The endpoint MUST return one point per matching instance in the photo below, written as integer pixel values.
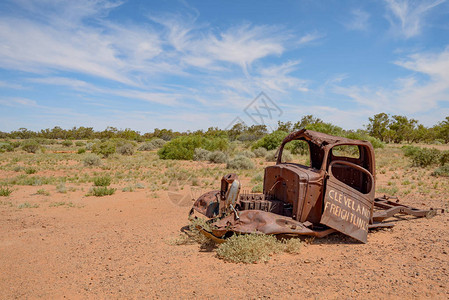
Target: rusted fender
(257, 221)
(207, 204)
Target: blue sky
(189, 65)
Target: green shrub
(30, 146)
(92, 160)
(184, 147)
(271, 141)
(147, 147)
(286, 156)
(104, 148)
(248, 154)
(218, 157)
(260, 152)
(67, 143)
(126, 149)
(409, 150)
(79, 144)
(201, 154)
(102, 181)
(81, 150)
(158, 143)
(426, 157)
(240, 162)
(444, 157)
(30, 170)
(258, 188)
(5, 191)
(441, 171)
(298, 147)
(5, 146)
(365, 137)
(100, 191)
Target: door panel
(346, 209)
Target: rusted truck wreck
(334, 193)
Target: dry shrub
(240, 162)
(218, 157)
(253, 248)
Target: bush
(147, 147)
(425, 157)
(79, 144)
(104, 148)
(201, 154)
(92, 160)
(5, 146)
(258, 188)
(248, 154)
(410, 151)
(102, 181)
(5, 191)
(100, 191)
(441, 171)
(158, 143)
(218, 157)
(444, 158)
(81, 150)
(271, 141)
(184, 147)
(30, 170)
(298, 147)
(67, 143)
(126, 149)
(260, 152)
(286, 156)
(252, 248)
(364, 137)
(30, 146)
(240, 162)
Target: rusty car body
(334, 193)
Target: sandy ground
(116, 247)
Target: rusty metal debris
(334, 193)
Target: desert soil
(117, 247)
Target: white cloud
(411, 95)
(359, 20)
(407, 17)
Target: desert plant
(258, 188)
(442, 171)
(201, 154)
(102, 181)
(30, 146)
(81, 150)
(100, 191)
(158, 143)
(5, 191)
(79, 144)
(260, 152)
(30, 170)
(444, 157)
(252, 248)
(92, 160)
(286, 156)
(147, 147)
(240, 162)
(126, 149)
(43, 192)
(248, 154)
(183, 147)
(104, 148)
(271, 141)
(425, 157)
(5, 146)
(218, 157)
(67, 143)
